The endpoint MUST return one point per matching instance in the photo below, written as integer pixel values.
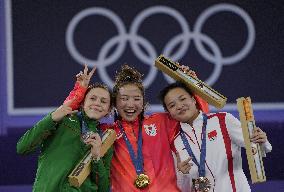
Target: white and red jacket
(224, 140)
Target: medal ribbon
(136, 160)
(201, 166)
(84, 127)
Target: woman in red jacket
(142, 158)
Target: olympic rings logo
(184, 38)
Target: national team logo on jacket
(119, 135)
(151, 129)
(212, 135)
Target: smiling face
(129, 102)
(181, 105)
(97, 103)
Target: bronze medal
(202, 184)
(142, 181)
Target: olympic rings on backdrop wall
(184, 39)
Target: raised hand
(183, 166)
(96, 142)
(62, 111)
(258, 136)
(186, 70)
(84, 78)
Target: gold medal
(202, 184)
(142, 181)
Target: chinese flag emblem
(212, 135)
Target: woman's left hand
(258, 136)
(96, 142)
(187, 70)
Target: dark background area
(43, 69)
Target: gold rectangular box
(83, 168)
(197, 86)
(253, 150)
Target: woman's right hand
(183, 166)
(62, 111)
(96, 142)
(84, 78)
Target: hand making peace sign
(84, 78)
(184, 166)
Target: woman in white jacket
(207, 145)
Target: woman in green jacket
(59, 137)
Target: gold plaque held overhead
(196, 86)
(83, 168)
(253, 150)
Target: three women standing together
(142, 153)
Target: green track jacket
(61, 149)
